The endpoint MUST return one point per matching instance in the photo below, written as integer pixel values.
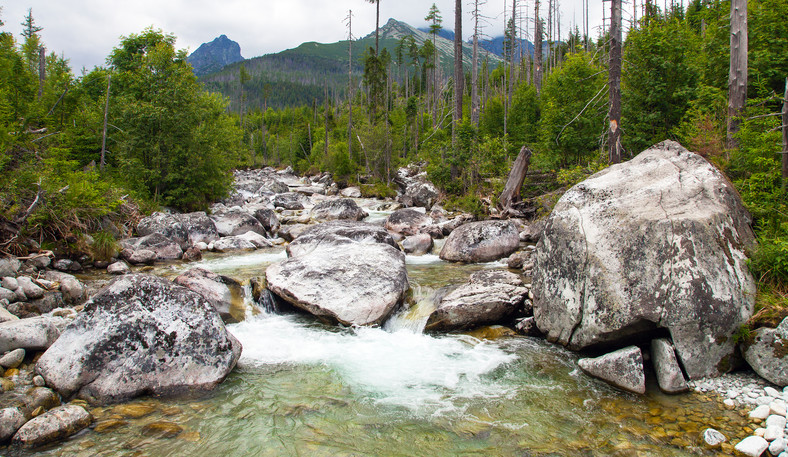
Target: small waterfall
(414, 318)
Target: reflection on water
(303, 388)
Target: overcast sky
(85, 31)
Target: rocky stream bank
(643, 262)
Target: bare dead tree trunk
(42, 70)
(537, 50)
(475, 68)
(459, 75)
(104, 134)
(785, 136)
(325, 118)
(614, 135)
(511, 191)
(350, 85)
(512, 54)
(737, 76)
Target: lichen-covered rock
(140, 335)
(482, 241)
(768, 353)
(407, 221)
(622, 368)
(656, 242)
(342, 280)
(350, 192)
(225, 293)
(11, 419)
(669, 376)
(339, 233)
(54, 425)
(168, 225)
(9, 266)
(290, 200)
(119, 268)
(340, 209)
(199, 228)
(232, 243)
(268, 219)
(164, 248)
(489, 297)
(138, 256)
(233, 222)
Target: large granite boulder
(767, 354)
(340, 279)
(140, 335)
(164, 248)
(235, 221)
(165, 224)
(483, 241)
(290, 200)
(268, 219)
(199, 227)
(339, 233)
(407, 221)
(488, 298)
(656, 242)
(338, 209)
(225, 293)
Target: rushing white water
(423, 373)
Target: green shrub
(104, 246)
(378, 190)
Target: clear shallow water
(305, 389)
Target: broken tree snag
(785, 137)
(737, 75)
(614, 134)
(511, 192)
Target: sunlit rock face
(656, 242)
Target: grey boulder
(11, 419)
(482, 241)
(622, 368)
(407, 221)
(164, 247)
(140, 335)
(488, 298)
(165, 224)
(339, 209)
(290, 200)
(656, 242)
(669, 376)
(9, 266)
(33, 333)
(342, 280)
(339, 233)
(233, 222)
(54, 425)
(417, 244)
(74, 292)
(767, 354)
(225, 294)
(199, 228)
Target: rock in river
(53, 425)
(337, 278)
(140, 335)
(768, 353)
(656, 242)
(225, 293)
(483, 241)
(341, 209)
(489, 297)
(622, 368)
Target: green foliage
(658, 82)
(572, 116)
(378, 190)
(177, 142)
(104, 246)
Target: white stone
(772, 433)
(777, 407)
(776, 421)
(729, 403)
(752, 446)
(777, 446)
(713, 438)
(760, 431)
(761, 412)
(771, 391)
(764, 400)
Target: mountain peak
(213, 56)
